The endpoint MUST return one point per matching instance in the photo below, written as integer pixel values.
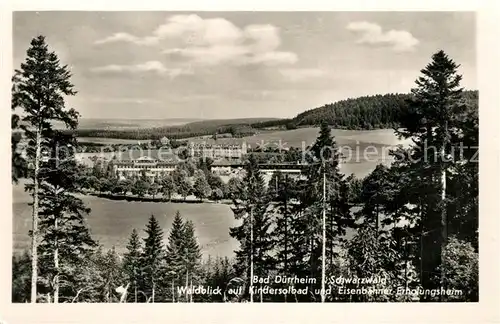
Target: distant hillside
(363, 113)
(368, 112)
(236, 127)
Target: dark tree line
(172, 132)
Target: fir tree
(39, 87)
(254, 255)
(132, 262)
(283, 194)
(191, 255)
(64, 235)
(434, 120)
(374, 194)
(153, 257)
(324, 192)
(174, 255)
(109, 274)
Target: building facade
(218, 151)
(151, 168)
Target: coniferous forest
(406, 232)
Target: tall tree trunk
(56, 265)
(330, 219)
(444, 223)
(420, 207)
(285, 268)
(187, 283)
(173, 291)
(323, 245)
(191, 293)
(251, 254)
(135, 291)
(34, 238)
(153, 292)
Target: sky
(215, 65)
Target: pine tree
(254, 256)
(153, 256)
(374, 194)
(433, 120)
(324, 209)
(282, 192)
(64, 235)
(174, 255)
(109, 275)
(218, 272)
(132, 262)
(191, 255)
(39, 87)
(369, 256)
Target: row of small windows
(145, 167)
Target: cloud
(125, 37)
(214, 31)
(214, 41)
(372, 34)
(293, 74)
(150, 66)
(266, 37)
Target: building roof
(163, 155)
(215, 146)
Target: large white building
(152, 168)
(153, 163)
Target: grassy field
(111, 222)
(307, 135)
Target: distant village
(226, 160)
